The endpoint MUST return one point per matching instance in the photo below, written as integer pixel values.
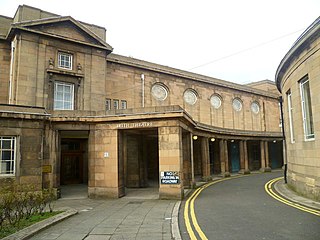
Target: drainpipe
(192, 161)
(13, 46)
(284, 140)
(142, 88)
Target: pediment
(66, 28)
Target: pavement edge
(175, 222)
(37, 227)
(282, 189)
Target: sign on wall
(134, 125)
(169, 178)
(47, 169)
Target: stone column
(266, 147)
(241, 147)
(244, 158)
(205, 158)
(262, 156)
(103, 163)
(246, 161)
(170, 160)
(226, 158)
(222, 161)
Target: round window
(255, 107)
(190, 97)
(215, 101)
(237, 104)
(159, 92)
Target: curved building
(71, 111)
(298, 79)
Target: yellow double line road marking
(269, 190)
(190, 204)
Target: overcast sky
(238, 41)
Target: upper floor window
(7, 155)
(123, 104)
(290, 113)
(115, 104)
(63, 96)
(255, 108)
(306, 109)
(65, 60)
(190, 96)
(237, 104)
(215, 101)
(108, 104)
(159, 92)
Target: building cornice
(302, 43)
(63, 38)
(115, 58)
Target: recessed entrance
(275, 154)
(140, 157)
(74, 163)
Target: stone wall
(303, 155)
(124, 82)
(29, 149)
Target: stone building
(73, 112)
(298, 80)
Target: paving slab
(113, 219)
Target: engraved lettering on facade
(134, 125)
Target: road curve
(240, 208)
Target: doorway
(235, 156)
(276, 154)
(73, 164)
(140, 158)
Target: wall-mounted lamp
(195, 137)
(212, 139)
(232, 140)
(274, 141)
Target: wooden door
(71, 162)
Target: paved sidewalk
(286, 192)
(113, 219)
(127, 218)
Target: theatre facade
(73, 112)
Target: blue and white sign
(169, 178)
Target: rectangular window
(290, 113)
(123, 104)
(65, 60)
(306, 109)
(7, 155)
(115, 104)
(108, 104)
(63, 96)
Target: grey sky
(238, 41)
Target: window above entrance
(159, 92)
(65, 60)
(63, 96)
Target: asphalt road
(240, 209)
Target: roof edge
(297, 48)
(185, 74)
